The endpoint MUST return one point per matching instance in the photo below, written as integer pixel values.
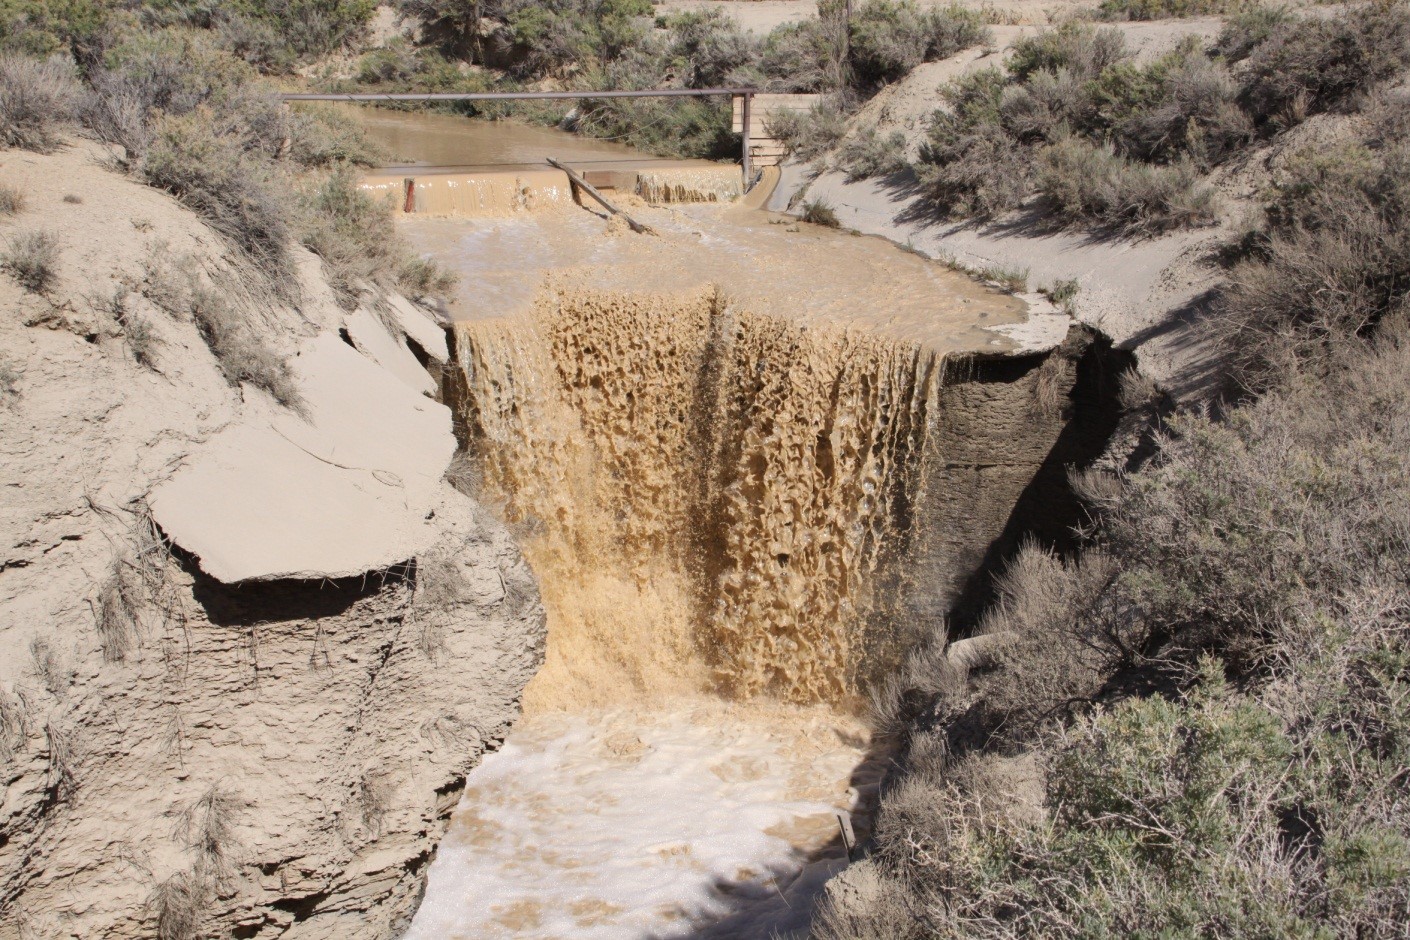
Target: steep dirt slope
(274, 757)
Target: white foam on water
(638, 823)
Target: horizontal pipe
(518, 95)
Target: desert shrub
(820, 212)
(1048, 104)
(969, 165)
(231, 191)
(171, 73)
(1182, 103)
(976, 171)
(1332, 268)
(1165, 9)
(871, 153)
(1249, 28)
(32, 258)
(37, 99)
(273, 35)
(889, 38)
(1092, 183)
(11, 200)
(423, 277)
(805, 56)
(242, 353)
(708, 49)
(1079, 47)
(43, 28)
(808, 134)
(350, 231)
(1311, 64)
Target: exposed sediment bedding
(330, 721)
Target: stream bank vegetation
(1198, 723)
(503, 45)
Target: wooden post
(591, 190)
(748, 97)
(408, 203)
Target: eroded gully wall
(716, 499)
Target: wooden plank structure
(765, 150)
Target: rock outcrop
(249, 652)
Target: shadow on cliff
(1048, 510)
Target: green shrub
(37, 99)
(870, 153)
(1092, 183)
(1079, 47)
(43, 28)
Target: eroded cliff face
(275, 757)
(718, 498)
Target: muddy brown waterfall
(723, 499)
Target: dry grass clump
(37, 100)
(53, 669)
(11, 200)
(207, 828)
(820, 212)
(32, 258)
(1012, 279)
(14, 725)
(242, 354)
(118, 611)
(9, 381)
(180, 906)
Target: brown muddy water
(715, 443)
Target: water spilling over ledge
(747, 463)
